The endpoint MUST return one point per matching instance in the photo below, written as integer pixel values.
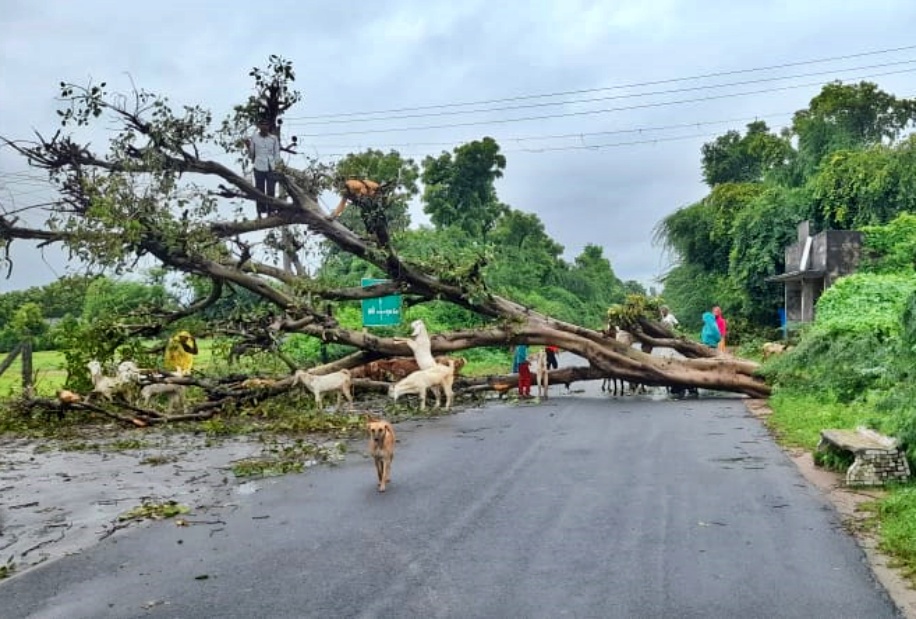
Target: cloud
(623, 165)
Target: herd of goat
(407, 376)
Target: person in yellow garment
(179, 353)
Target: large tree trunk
(299, 301)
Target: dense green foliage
(733, 158)
(64, 297)
(846, 162)
(458, 188)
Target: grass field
(49, 367)
(50, 370)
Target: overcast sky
(646, 83)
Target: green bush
(865, 304)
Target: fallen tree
(153, 194)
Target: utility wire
(580, 147)
(586, 112)
(581, 135)
(350, 121)
(606, 88)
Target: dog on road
(381, 447)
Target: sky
(601, 108)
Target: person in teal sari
(710, 334)
(521, 354)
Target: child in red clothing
(524, 379)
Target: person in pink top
(723, 327)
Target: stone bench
(878, 459)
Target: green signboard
(382, 311)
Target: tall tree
(760, 234)
(108, 215)
(733, 158)
(459, 190)
(523, 252)
(856, 188)
(848, 116)
(107, 297)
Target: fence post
(10, 358)
(27, 367)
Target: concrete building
(813, 264)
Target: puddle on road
(55, 503)
(745, 462)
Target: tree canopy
(459, 187)
(155, 192)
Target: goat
(105, 386)
(322, 383)
(128, 372)
(541, 375)
(628, 339)
(610, 384)
(258, 383)
(429, 378)
(773, 348)
(68, 397)
(173, 391)
(420, 345)
(370, 371)
(354, 188)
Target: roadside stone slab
(878, 460)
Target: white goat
(540, 373)
(339, 381)
(420, 345)
(173, 391)
(626, 338)
(128, 372)
(418, 382)
(102, 385)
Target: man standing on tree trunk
(264, 150)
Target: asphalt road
(585, 506)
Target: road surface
(583, 506)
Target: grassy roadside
(797, 420)
(50, 367)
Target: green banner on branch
(382, 311)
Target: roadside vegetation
(856, 366)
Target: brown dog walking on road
(381, 447)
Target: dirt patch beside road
(847, 501)
(60, 498)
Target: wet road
(583, 506)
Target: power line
(606, 98)
(606, 88)
(562, 136)
(585, 147)
(586, 112)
